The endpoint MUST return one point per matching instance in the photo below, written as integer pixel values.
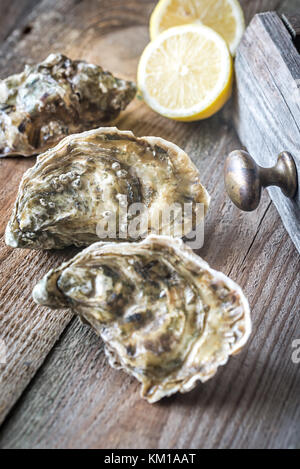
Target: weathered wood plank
(28, 332)
(53, 412)
(20, 270)
(288, 7)
(12, 15)
(67, 26)
(76, 399)
(257, 6)
(267, 113)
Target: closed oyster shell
(68, 193)
(55, 98)
(165, 316)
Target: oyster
(165, 316)
(55, 98)
(84, 182)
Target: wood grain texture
(76, 400)
(30, 332)
(289, 7)
(267, 112)
(12, 14)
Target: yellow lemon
(186, 73)
(224, 16)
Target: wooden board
(75, 399)
(12, 16)
(267, 111)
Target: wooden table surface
(57, 390)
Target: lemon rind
(236, 10)
(214, 100)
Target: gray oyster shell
(64, 198)
(165, 316)
(55, 98)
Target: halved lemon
(186, 74)
(224, 16)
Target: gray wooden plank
(267, 113)
(13, 13)
(235, 409)
(289, 7)
(30, 332)
(76, 400)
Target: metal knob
(244, 178)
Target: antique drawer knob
(244, 178)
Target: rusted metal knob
(244, 178)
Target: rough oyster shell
(165, 316)
(55, 98)
(68, 193)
